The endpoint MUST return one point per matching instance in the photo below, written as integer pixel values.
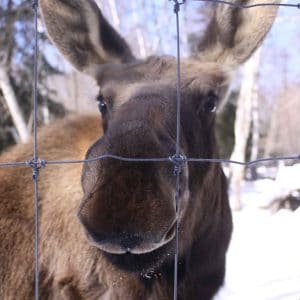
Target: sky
(282, 48)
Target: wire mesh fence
(177, 160)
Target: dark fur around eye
(101, 104)
(210, 102)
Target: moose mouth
(143, 258)
(145, 262)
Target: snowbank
(263, 261)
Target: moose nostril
(126, 241)
(130, 241)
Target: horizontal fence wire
(13, 164)
(260, 161)
(177, 159)
(245, 6)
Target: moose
(107, 227)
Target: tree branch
(14, 109)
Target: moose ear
(235, 33)
(79, 30)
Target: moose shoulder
(121, 244)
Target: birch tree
(14, 109)
(248, 97)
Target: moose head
(128, 210)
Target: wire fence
(178, 160)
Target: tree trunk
(14, 109)
(242, 126)
(255, 119)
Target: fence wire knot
(177, 5)
(178, 161)
(34, 4)
(36, 165)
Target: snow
(263, 260)
(262, 193)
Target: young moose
(121, 246)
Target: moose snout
(129, 242)
(126, 209)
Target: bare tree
(12, 103)
(284, 130)
(255, 130)
(16, 73)
(9, 15)
(242, 127)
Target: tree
(284, 130)
(16, 73)
(9, 15)
(244, 117)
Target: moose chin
(121, 244)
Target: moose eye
(210, 103)
(101, 104)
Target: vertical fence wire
(177, 172)
(178, 96)
(178, 160)
(35, 161)
(176, 254)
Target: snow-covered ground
(263, 261)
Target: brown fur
(122, 245)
